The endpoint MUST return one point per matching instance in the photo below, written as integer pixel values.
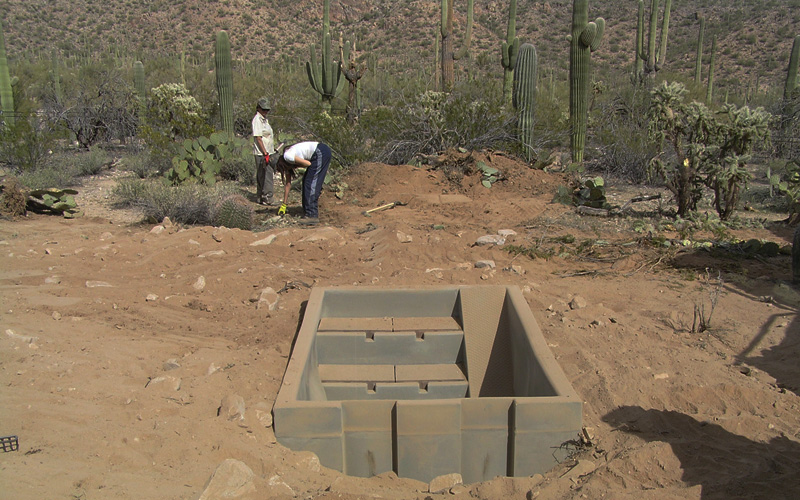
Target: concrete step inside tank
(425, 382)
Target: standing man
(264, 152)
(316, 157)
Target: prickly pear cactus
(584, 39)
(54, 201)
(234, 212)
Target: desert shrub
(12, 198)
(189, 203)
(50, 176)
(172, 115)
(140, 164)
(706, 149)
(25, 147)
(436, 121)
(239, 168)
(91, 162)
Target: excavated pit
(426, 382)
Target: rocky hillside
(754, 36)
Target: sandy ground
(124, 347)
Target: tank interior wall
(388, 303)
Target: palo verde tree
(706, 150)
(449, 55)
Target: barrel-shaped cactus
(222, 65)
(510, 48)
(6, 92)
(791, 75)
(584, 39)
(524, 95)
(234, 212)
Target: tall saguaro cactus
(510, 49)
(638, 64)
(584, 39)
(6, 92)
(353, 72)
(791, 75)
(222, 65)
(710, 88)
(325, 77)
(654, 60)
(698, 66)
(526, 75)
(448, 53)
(141, 88)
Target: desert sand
(138, 359)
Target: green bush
(172, 115)
(140, 164)
(87, 163)
(51, 176)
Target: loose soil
(125, 346)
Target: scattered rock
(268, 299)
(151, 297)
(232, 479)
(660, 376)
(269, 239)
(219, 233)
(200, 283)
(485, 264)
(490, 239)
(56, 315)
(212, 253)
(506, 232)
(157, 229)
(577, 302)
(582, 468)
(263, 413)
(171, 364)
(516, 269)
(232, 407)
(278, 488)
(96, 284)
(106, 236)
(167, 222)
(25, 338)
(444, 483)
(212, 368)
(52, 280)
(168, 380)
(403, 237)
(194, 242)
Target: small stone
(56, 315)
(577, 302)
(490, 239)
(213, 253)
(506, 232)
(157, 229)
(745, 370)
(200, 283)
(24, 338)
(485, 264)
(170, 381)
(232, 407)
(194, 242)
(96, 284)
(212, 368)
(515, 269)
(52, 280)
(232, 479)
(151, 297)
(403, 237)
(444, 483)
(268, 299)
(106, 236)
(166, 222)
(661, 376)
(171, 364)
(263, 413)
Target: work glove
(282, 210)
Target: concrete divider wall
(411, 413)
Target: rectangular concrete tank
(425, 382)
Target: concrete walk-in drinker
(425, 382)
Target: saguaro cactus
(791, 75)
(655, 60)
(584, 39)
(353, 72)
(526, 76)
(638, 64)
(141, 88)
(710, 88)
(55, 75)
(698, 66)
(325, 77)
(510, 49)
(6, 92)
(448, 53)
(222, 65)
